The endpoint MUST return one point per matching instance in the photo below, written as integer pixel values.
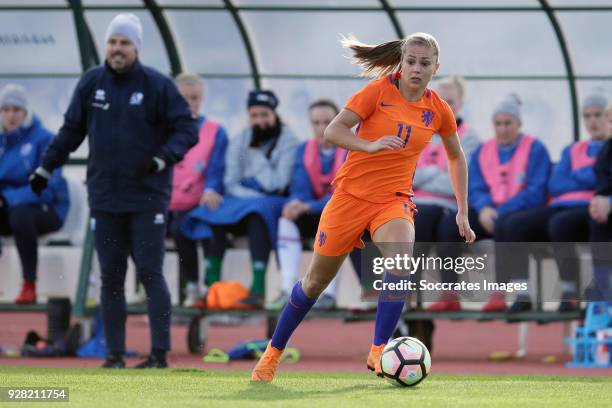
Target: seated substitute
(197, 180)
(257, 175)
(24, 214)
(507, 174)
(600, 226)
(566, 217)
(316, 165)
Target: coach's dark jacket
(128, 117)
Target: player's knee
(313, 285)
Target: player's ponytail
(379, 60)
(375, 60)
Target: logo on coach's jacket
(136, 98)
(103, 106)
(159, 219)
(100, 95)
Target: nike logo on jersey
(384, 105)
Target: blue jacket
(564, 180)
(215, 169)
(20, 154)
(197, 224)
(300, 187)
(534, 194)
(129, 118)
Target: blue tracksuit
(128, 118)
(300, 187)
(564, 180)
(215, 169)
(534, 193)
(20, 154)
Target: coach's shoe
(267, 364)
(496, 303)
(27, 296)
(447, 302)
(114, 361)
(153, 362)
(374, 359)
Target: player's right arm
(340, 134)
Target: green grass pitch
(200, 388)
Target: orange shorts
(346, 217)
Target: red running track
(330, 345)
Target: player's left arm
(457, 167)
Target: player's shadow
(261, 391)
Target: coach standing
(138, 126)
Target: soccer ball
(405, 361)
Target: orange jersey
(384, 111)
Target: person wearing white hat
(138, 126)
(565, 218)
(507, 175)
(23, 214)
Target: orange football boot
(374, 359)
(267, 364)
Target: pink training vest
(321, 183)
(435, 155)
(188, 178)
(579, 158)
(504, 180)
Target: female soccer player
(397, 116)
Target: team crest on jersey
(427, 117)
(322, 238)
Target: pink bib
(435, 155)
(188, 178)
(321, 183)
(505, 180)
(579, 158)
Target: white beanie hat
(596, 100)
(126, 24)
(510, 105)
(15, 95)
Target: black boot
(114, 361)
(155, 360)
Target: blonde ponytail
(375, 60)
(379, 60)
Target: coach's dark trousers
(140, 235)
